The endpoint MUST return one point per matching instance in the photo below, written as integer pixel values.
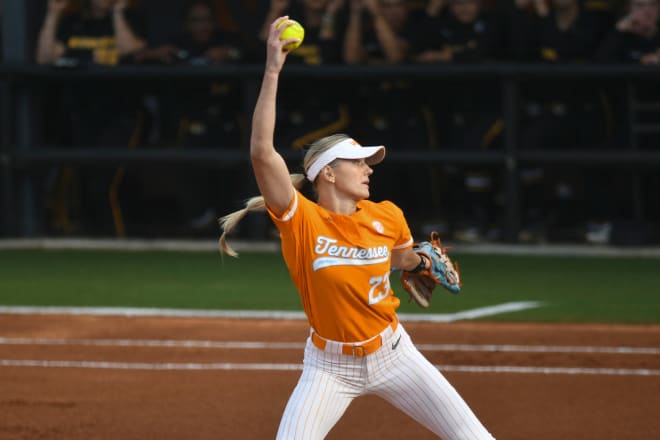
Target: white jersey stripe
(294, 207)
(323, 262)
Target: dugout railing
(22, 153)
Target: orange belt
(357, 349)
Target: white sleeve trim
(404, 245)
(294, 206)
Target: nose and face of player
(350, 177)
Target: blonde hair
(257, 203)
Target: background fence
(26, 89)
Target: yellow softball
(294, 31)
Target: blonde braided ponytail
(254, 204)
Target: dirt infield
(81, 377)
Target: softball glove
(419, 285)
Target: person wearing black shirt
(558, 114)
(199, 42)
(636, 36)
(379, 31)
(198, 114)
(565, 32)
(466, 113)
(91, 114)
(465, 33)
(103, 32)
(635, 40)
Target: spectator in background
(436, 8)
(97, 33)
(557, 114)
(200, 41)
(467, 114)
(199, 113)
(561, 31)
(463, 32)
(102, 32)
(196, 114)
(635, 38)
(378, 32)
(246, 17)
(91, 114)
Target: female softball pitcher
(339, 251)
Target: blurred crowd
(464, 202)
(111, 32)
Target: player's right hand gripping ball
(294, 31)
(443, 271)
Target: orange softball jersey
(340, 265)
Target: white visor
(346, 149)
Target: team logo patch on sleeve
(378, 226)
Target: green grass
(145, 279)
(573, 289)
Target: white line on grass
(549, 370)
(539, 349)
(261, 345)
(257, 314)
(136, 244)
(297, 367)
(149, 312)
(473, 313)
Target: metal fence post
(17, 47)
(7, 216)
(512, 191)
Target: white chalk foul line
(549, 370)
(256, 314)
(298, 367)
(148, 366)
(261, 345)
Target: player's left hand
(419, 287)
(442, 271)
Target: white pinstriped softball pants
(402, 376)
